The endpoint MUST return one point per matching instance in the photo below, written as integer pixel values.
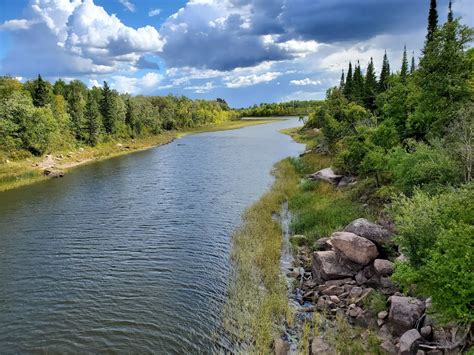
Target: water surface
(131, 254)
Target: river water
(131, 254)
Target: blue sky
(246, 51)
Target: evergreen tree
(432, 22)
(41, 95)
(384, 74)
(404, 70)
(370, 86)
(60, 88)
(92, 119)
(450, 12)
(358, 85)
(76, 99)
(130, 115)
(348, 86)
(413, 65)
(106, 108)
(342, 81)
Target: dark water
(131, 255)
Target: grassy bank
(26, 171)
(258, 303)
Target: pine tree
(92, 120)
(348, 87)
(370, 86)
(413, 65)
(404, 70)
(358, 85)
(432, 22)
(106, 108)
(342, 81)
(130, 115)
(384, 74)
(41, 95)
(450, 12)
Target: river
(131, 254)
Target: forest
(408, 136)
(291, 108)
(37, 117)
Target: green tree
(348, 86)
(41, 94)
(413, 65)
(60, 88)
(130, 116)
(384, 74)
(404, 70)
(93, 119)
(76, 98)
(432, 22)
(358, 86)
(370, 86)
(342, 81)
(106, 107)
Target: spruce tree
(370, 86)
(92, 120)
(413, 65)
(348, 86)
(358, 85)
(432, 22)
(40, 95)
(342, 81)
(130, 115)
(404, 70)
(106, 108)
(384, 74)
(450, 12)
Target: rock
(388, 348)
(428, 302)
(281, 347)
(326, 267)
(333, 290)
(420, 352)
(322, 244)
(402, 258)
(408, 342)
(354, 311)
(360, 301)
(434, 352)
(382, 315)
(346, 181)
(120, 145)
(320, 347)
(366, 229)
(326, 174)
(380, 322)
(339, 282)
(426, 331)
(54, 174)
(355, 248)
(404, 312)
(387, 287)
(383, 267)
(356, 292)
(335, 299)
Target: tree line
(290, 108)
(408, 136)
(38, 117)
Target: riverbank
(14, 174)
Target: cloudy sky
(246, 51)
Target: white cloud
(20, 24)
(201, 89)
(305, 82)
(303, 95)
(249, 80)
(128, 5)
(154, 12)
(131, 85)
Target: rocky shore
(347, 276)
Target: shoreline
(15, 174)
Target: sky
(245, 51)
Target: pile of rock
(345, 270)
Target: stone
(346, 181)
(335, 299)
(333, 290)
(420, 352)
(320, 347)
(53, 174)
(355, 248)
(383, 267)
(360, 301)
(404, 312)
(322, 244)
(402, 258)
(339, 282)
(373, 232)
(327, 175)
(426, 331)
(356, 292)
(388, 348)
(354, 311)
(434, 352)
(280, 346)
(382, 315)
(387, 287)
(380, 322)
(326, 267)
(408, 342)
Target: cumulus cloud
(201, 89)
(132, 85)
(243, 81)
(20, 24)
(154, 12)
(128, 5)
(77, 37)
(305, 82)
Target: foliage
(291, 108)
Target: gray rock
(356, 292)
(280, 346)
(388, 348)
(326, 267)
(374, 232)
(408, 342)
(327, 175)
(426, 331)
(382, 315)
(383, 267)
(320, 347)
(54, 174)
(333, 291)
(339, 282)
(322, 244)
(355, 248)
(404, 312)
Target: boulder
(404, 312)
(388, 348)
(366, 229)
(322, 244)
(383, 267)
(53, 174)
(346, 181)
(280, 346)
(326, 267)
(409, 341)
(320, 347)
(326, 174)
(355, 248)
